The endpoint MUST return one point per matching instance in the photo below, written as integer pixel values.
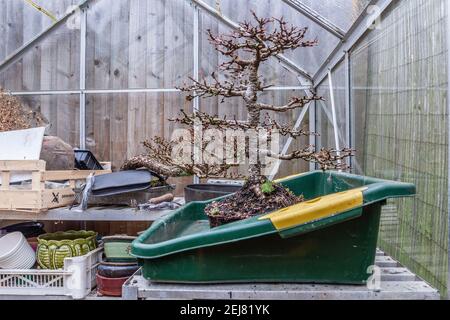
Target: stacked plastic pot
(118, 266)
(16, 252)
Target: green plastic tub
(331, 238)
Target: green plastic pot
(330, 238)
(117, 248)
(54, 247)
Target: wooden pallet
(37, 197)
(397, 283)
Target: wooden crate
(38, 197)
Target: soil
(249, 202)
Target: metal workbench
(106, 213)
(397, 282)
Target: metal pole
(448, 143)
(44, 93)
(140, 90)
(289, 141)
(312, 128)
(348, 110)
(333, 112)
(196, 76)
(83, 31)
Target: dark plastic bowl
(117, 270)
(202, 192)
(29, 229)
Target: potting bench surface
(107, 213)
(396, 282)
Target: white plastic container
(16, 252)
(76, 279)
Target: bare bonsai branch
(294, 103)
(269, 124)
(327, 159)
(160, 158)
(203, 89)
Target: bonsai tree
(245, 50)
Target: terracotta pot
(110, 286)
(33, 243)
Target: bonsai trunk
(254, 117)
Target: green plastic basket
(331, 238)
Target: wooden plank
(13, 39)
(119, 74)
(3, 26)
(6, 175)
(55, 198)
(48, 81)
(67, 77)
(59, 175)
(31, 72)
(137, 77)
(155, 69)
(18, 199)
(99, 29)
(36, 181)
(22, 165)
(171, 63)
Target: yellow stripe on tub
(316, 209)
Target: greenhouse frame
(107, 77)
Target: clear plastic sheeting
(139, 44)
(20, 21)
(340, 12)
(399, 98)
(324, 115)
(51, 64)
(117, 124)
